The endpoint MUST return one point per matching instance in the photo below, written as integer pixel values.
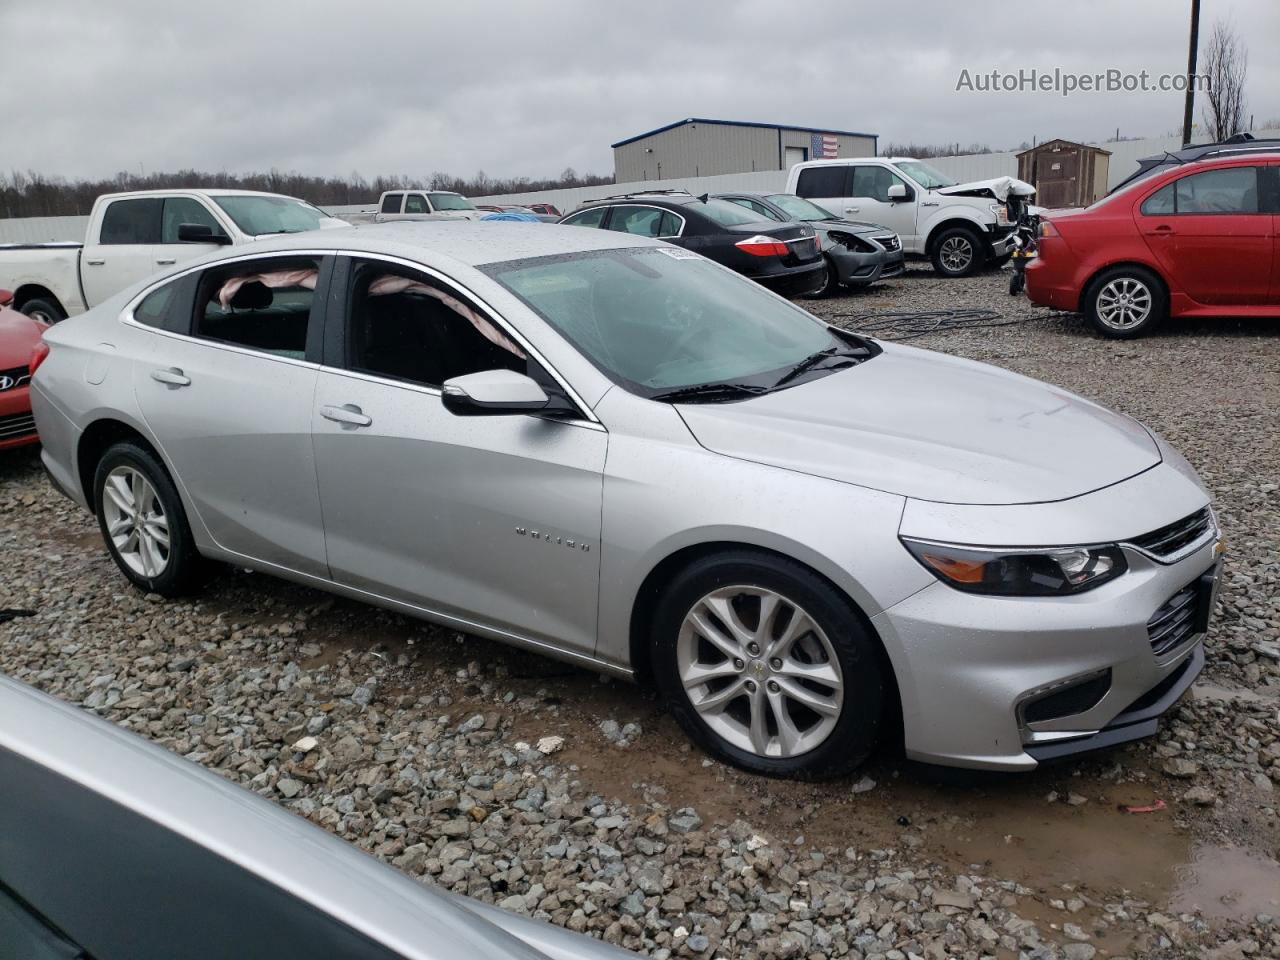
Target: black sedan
(785, 257)
(857, 253)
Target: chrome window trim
(648, 206)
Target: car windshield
(727, 213)
(450, 201)
(925, 175)
(261, 215)
(798, 208)
(657, 320)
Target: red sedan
(1197, 240)
(19, 337)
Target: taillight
(38, 354)
(762, 246)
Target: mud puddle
(1228, 883)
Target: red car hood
(18, 335)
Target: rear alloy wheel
(767, 667)
(1125, 303)
(46, 311)
(142, 521)
(958, 252)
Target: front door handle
(852, 209)
(348, 413)
(167, 261)
(171, 376)
(94, 263)
(1163, 229)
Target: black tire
(830, 283)
(1098, 302)
(184, 565)
(1017, 280)
(965, 238)
(45, 310)
(858, 723)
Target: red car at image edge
(1197, 240)
(21, 347)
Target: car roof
(470, 242)
(215, 192)
(184, 799)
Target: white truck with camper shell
(961, 227)
(425, 205)
(134, 235)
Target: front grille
(1175, 621)
(16, 425)
(1168, 540)
(890, 242)
(13, 378)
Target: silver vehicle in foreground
(112, 848)
(617, 452)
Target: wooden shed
(1065, 174)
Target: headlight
(1014, 572)
(1001, 213)
(856, 244)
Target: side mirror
(897, 192)
(6, 297)
(200, 233)
(492, 393)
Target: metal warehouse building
(698, 147)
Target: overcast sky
(534, 86)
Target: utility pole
(1189, 110)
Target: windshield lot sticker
(677, 254)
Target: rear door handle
(852, 209)
(167, 261)
(348, 413)
(1164, 228)
(94, 263)
(171, 376)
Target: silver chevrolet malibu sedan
(617, 452)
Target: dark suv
(785, 257)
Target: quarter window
(263, 305)
(416, 203)
(391, 203)
(132, 221)
(587, 218)
(180, 210)
(405, 325)
(825, 181)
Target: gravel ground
(566, 796)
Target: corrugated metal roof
(736, 123)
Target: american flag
(824, 145)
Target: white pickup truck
(133, 235)
(425, 205)
(961, 227)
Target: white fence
(978, 166)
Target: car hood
(18, 336)
(932, 427)
(998, 188)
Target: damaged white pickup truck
(134, 235)
(961, 227)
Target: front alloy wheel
(759, 671)
(767, 666)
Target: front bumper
(854, 269)
(1001, 240)
(17, 425)
(967, 665)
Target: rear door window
(132, 221)
(168, 307)
(391, 203)
(640, 221)
(1161, 203)
(264, 305)
(1233, 190)
(824, 181)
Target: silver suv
(617, 452)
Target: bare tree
(1226, 65)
